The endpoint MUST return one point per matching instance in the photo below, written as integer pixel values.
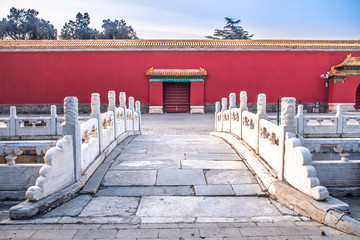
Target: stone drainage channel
(175, 172)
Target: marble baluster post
(243, 107)
(224, 106)
(131, 107)
(72, 127)
(288, 125)
(12, 124)
(340, 118)
(122, 98)
(112, 107)
(260, 114)
(300, 119)
(217, 110)
(96, 113)
(53, 118)
(138, 110)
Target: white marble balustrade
(79, 152)
(276, 145)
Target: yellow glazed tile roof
(180, 44)
(349, 62)
(176, 72)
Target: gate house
(176, 90)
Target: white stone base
(156, 109)
(197, 109)
(347, 107)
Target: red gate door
(176, 97)
(357, 104)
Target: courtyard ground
(174, 181)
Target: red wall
(344, 92)
(47, 77)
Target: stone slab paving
(173, 182)
(147, 191)
(213, 156)
(180, 177)
(130, 178)
(234, 207)
(111, 206)
(211, 164)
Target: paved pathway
(173, 182)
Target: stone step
(244, 190)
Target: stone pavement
(173, 182)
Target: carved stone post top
(232, 100)
(261, 105)
(300, 109)
(339, 109)
(122, 97)
(53, 110)
(217, 107)
(224, 104)
(131, 103)
(12, 111)
(243, 101)
(137, 106)
(288, 111)
(95, 104)
(111, 98)
(71, 110)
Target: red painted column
(197, 97)
(156, 97)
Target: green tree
(79, 29)
(232, 30)
(117, 30)
(2, 29)
(25, 25)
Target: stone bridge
(177, 181)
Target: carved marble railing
(271, 144)
(90, 139)
(15, 126)
(11, 149)
(15, 177)
(83, 146)
(328, 126)
(276, 145)
(336, 160)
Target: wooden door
(357, 104)
(176, 96)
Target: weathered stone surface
(153, 220)
(134, 151)
(111, 206)
(229, 177)
(130, 178)
(210, 164)
(98, 233)
(150, 156)
(180, 177)
(71, 208)
(212, 156)
(146, 191)
(205, 207)
(215, 150)
(100, 220)
(284, 210)
(248, 190)
(213, 190)
(148, 164)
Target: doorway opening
(176, 97)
